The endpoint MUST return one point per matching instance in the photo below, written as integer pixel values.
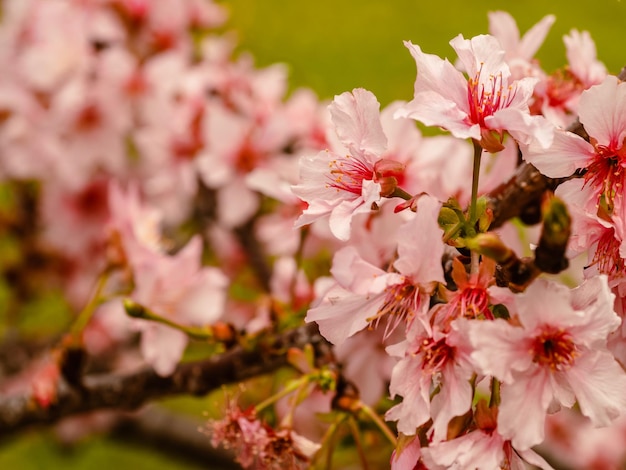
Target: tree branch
(164, 431)
(124, 392)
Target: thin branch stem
(85, 315)
(129, 391)
(371, 414)
(478, 151)
(354, 429)
(289, 389)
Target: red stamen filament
(606, 170)
(474, 303)
(348, 174)
(607, 257)
(484, 100)
(435, 354)
(400, 304)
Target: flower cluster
(210, 207)
(473, 345)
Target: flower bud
(387, 173)
(133, 309)
(489, 244)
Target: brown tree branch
(172, 433)
(129, 391)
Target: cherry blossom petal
(546, 302)
(499, 347)
(355, 274)
(582, 57)
(162, 347)
(594, 296)
(340, 220)
(600, 386)
(603, 111)
(204, 302)
(408, 456)
(533, 458)
(357, 122)
(522, 126)
(475, 450)
(438, 75)
(482, 54)
(454, 399)
(344, 314)
(503, 26)
(534, 37)
(433, 109)
(409, 380)
(523, 409)
(420, 247)
(567, 153)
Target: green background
(334, 46)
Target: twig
(129, 391)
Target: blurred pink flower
(180, 289)
(342, 186)
(519, 51)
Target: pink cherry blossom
(370, 369)
(558, 95)
(598, 231)
(582, 57)
(482, 449)
(430, 359)
(519, 52)
(137, 224)
(471, 298)
(364, 294)
(604, 156)
(481, 107)
(342, 186)
(180, 289)
(556, 356)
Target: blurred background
(331, 46)
(334, 46)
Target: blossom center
(606, 169)
(485, 97)
(554, 348)
(562, 86)
(435, 354)
(607, 258)
(399, 305)
(348, 174)
(474, 303)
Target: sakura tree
(452, 299)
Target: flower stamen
(401, 303)
(554, 348)
(348, 174)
